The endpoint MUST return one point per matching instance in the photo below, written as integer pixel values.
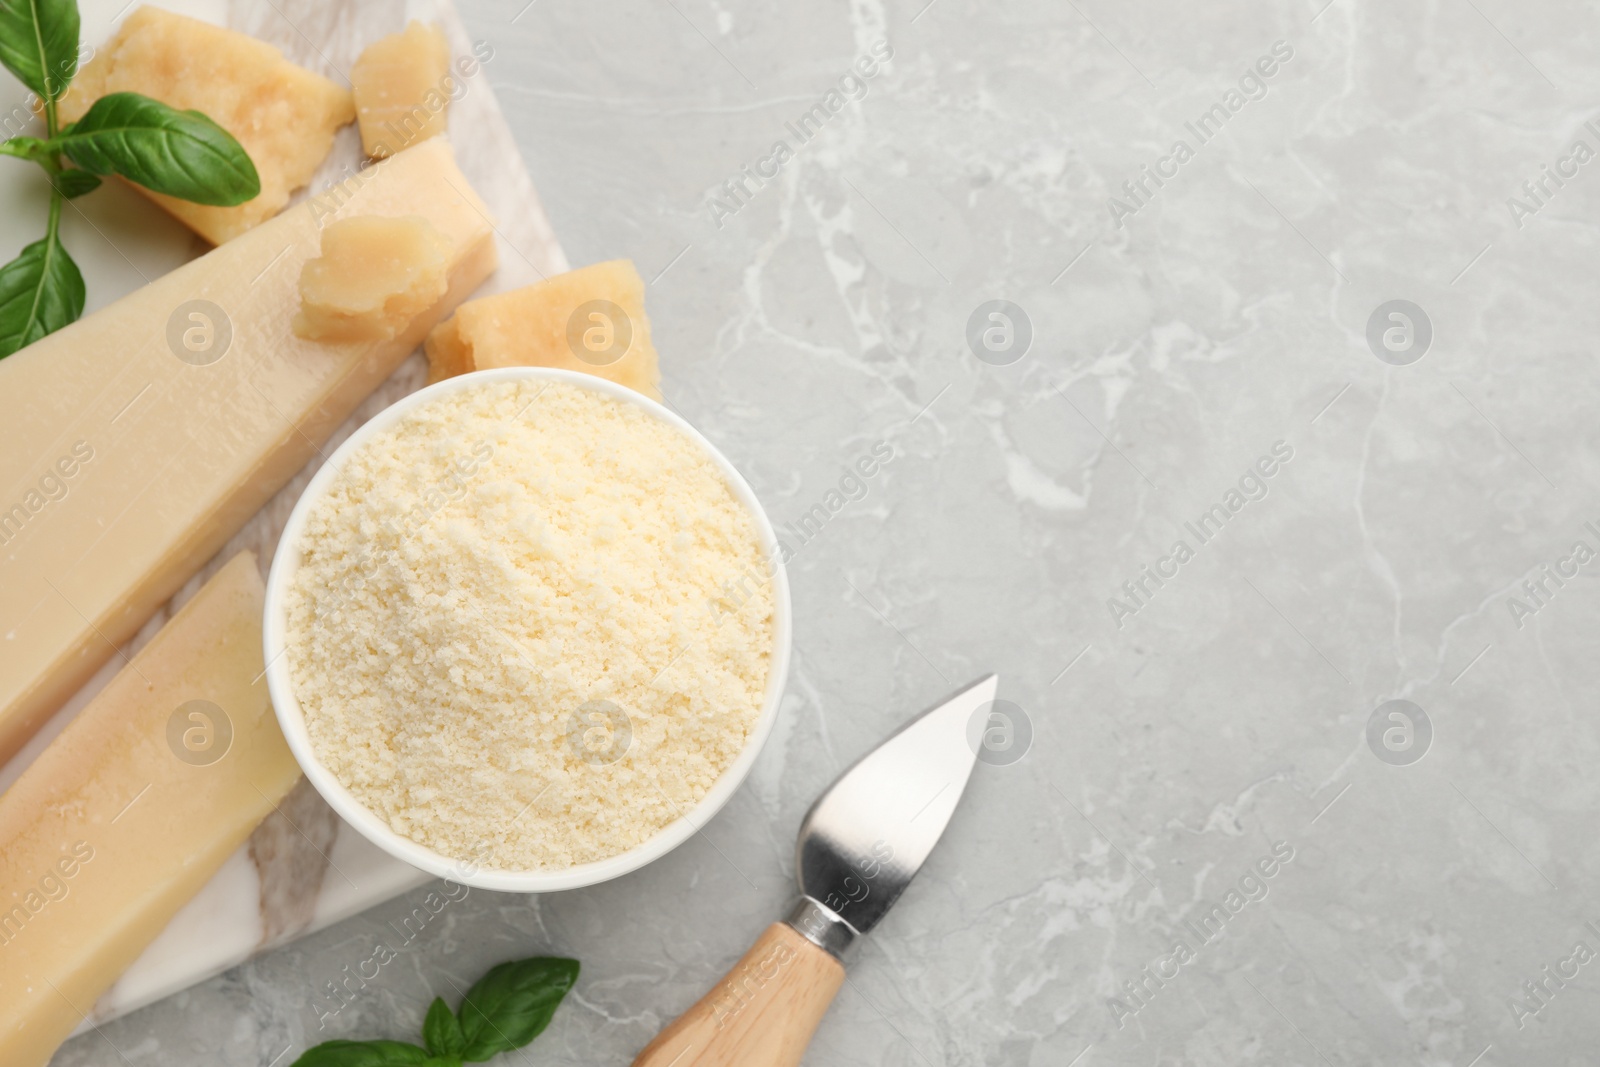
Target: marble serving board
(304, 868)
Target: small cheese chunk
(374, 276)
(132, 809)
(140, 438)
(591, 319)
(284, 116)
(402, 89)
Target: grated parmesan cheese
(510, 632)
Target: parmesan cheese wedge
(283, 115)
(132, 809)
(140, 438)
(591, 320)
(402, 85)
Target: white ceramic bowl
(374, 829)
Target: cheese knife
(860, 845)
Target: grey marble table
(1201, 491)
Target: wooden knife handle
(762, 1013)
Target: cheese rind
(591, 319)
(123, 817)
(283, 115)
(373, 277)
(143, 436)
(401, 86)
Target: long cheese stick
(123, 817)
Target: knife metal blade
(869, 833)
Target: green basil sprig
(505, 1010)
(183, 154)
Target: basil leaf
(74, 183)
(39, 43)
(513, 1003)
(441, 1030)
(362, 1054)
(40, 292)
(179, 153)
